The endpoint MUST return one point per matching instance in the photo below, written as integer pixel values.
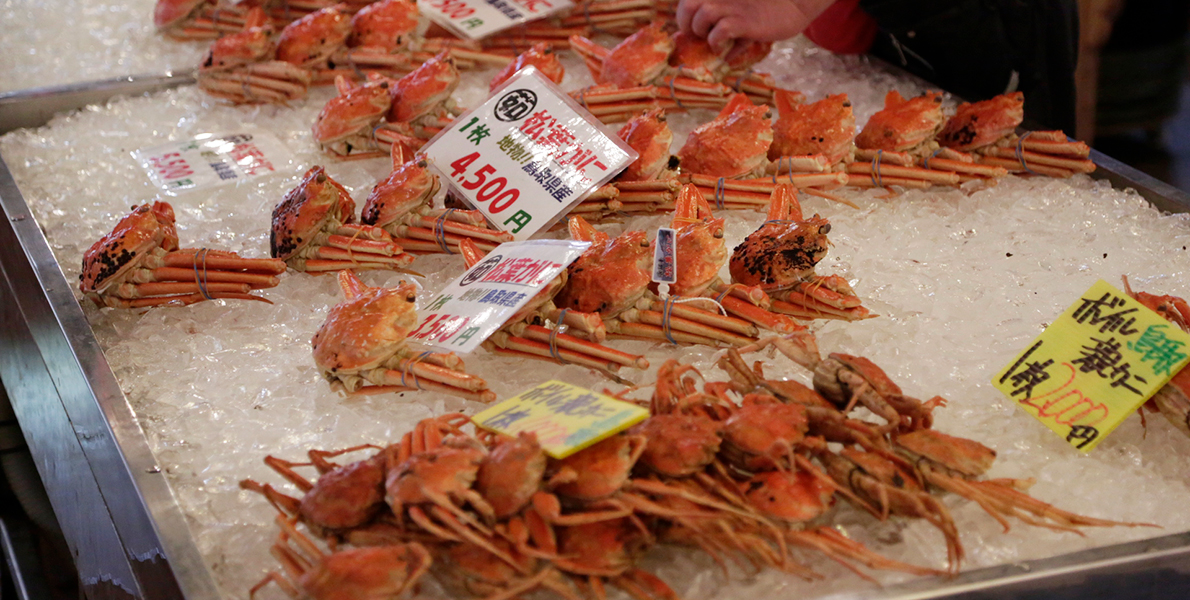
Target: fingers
(686, 10)
(723, 34)
(705, 19)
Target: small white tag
(211, 160)
(475, 19)
(527, 155)
(478, 303)
(665, 266)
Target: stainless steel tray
(126, 530)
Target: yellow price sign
(1095, 365)
(566, 418)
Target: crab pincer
(313, 231)
(139, 264)
(362, 347)
(401, 204)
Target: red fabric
(843, 28)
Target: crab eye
(411, 298)
(825, 229)
(719, 234)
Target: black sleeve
(980, 48)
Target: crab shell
(312, 39)
(354, 111)
(406, 189)
(603, 546)
(756, 432)
(346, 497)
(791, 497)
(602, 469)
(778, 255)
(376, 572)
(978, 124)
(827, 383)
(511, 474)
(825, 127)
(903, 124)
(365, 330)
(610, 276)
(428, 476)
(424, 89)
(168, 13)
(697, 60)
(541, 56)
(316, 202)
(734, 144)
(679, 445)
(389, 24)
(148, 228)
(746, 53)
(253, 44)
(640, 59)
(967, 458)
(650, 136)
(700, 253)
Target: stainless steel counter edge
(122, 522)
(108, 491)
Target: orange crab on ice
(362, 347)
(139, 264)
(313, 230)
(735, 144)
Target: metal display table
(128, 533)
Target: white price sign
(476, 19)
(209, 160)
(527, 155)
(478, 303)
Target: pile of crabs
(746, 470)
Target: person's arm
(721, 21)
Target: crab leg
(469, 217)
(589, 323)
(1033, 158)
(1014, 165)
(538, 333)
(223, 261)
(657, 318)
(964, 167)
(426, 247)
(392, 378)
(939, 177)
(146, 290)
(421, 370)
(710, 319)
(315, 265)
(844, 550)
(255, 280)
(184, 300)
(333, 253)
(541, 351)
(855, 180)
(464, 229)
(642, 331)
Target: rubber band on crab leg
(1034, 159)
(885, 170)
(719, 194)
(566, 341)
(559, 327)
(201, 280)
(440, 233)
(1020, 157)
(1012, 165)
(405, 367)
(720, 320)
(503, 343)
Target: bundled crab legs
(401, 204)
(780, 258)
(524, 336)
(613, 278)
(362, 347)
(651, 68)
(313, 230)
(381, 39)
(139, 264)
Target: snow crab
(988, 129)
(240, 68)
(310, 41)
(344, 127)
(401, 205)
(541, 56)
(524, 336)
(734, 145)
(362, 347)
(650, 136)
(139, 264)
(813, 137)
(780, 258)
(897, 138)
(377, 572)
(313, 230)
(1173, 399)
(422, 99)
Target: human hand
(721, 21)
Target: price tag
(479, 302)
(665, 269)
(209, 160)
(527, 155)
(566, 418)
(1095, 365)
(475, 19)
